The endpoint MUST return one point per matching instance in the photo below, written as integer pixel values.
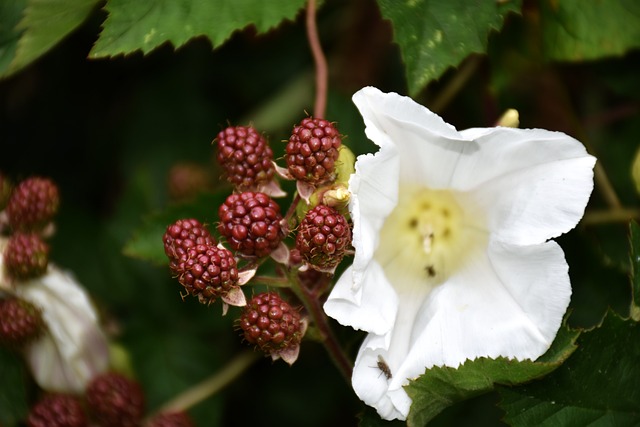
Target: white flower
(73, 349)
(451, 230)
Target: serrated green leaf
(441, 387)
(44, 24)
(634, 259)
(576, 30)
(10, 14)
(13, 399)
(144, 25)
(597, 386)
(146, 242)
(434, 36)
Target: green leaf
(597, 386)
(144, 25)
(576, 30)
(146, 242)
(634, 255)
(10, 14)
(44, 24)
(435, 35)
(441, 387)
(13, 395)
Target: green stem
(276, 282)
(211, 385)
(610, 215)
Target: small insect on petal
(384, 368)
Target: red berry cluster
(312, 151)
(271, 323)
(246, 157)
(251, 223)
(58, 410)
(204, 269)
(115, 400)
(26, 256)
(20, 322)
(29, 209)
(323, 238)
(33, 204)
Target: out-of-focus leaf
(434, 36)
(576, 30)
(441, 387)
(10, 14)
(146, 242)
(13, 399)
(144, 25)
(598, 385)
(634, 255)
(44, 24)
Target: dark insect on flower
(384, 368)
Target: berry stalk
(211, 385)
(320, 60)
(310, 300)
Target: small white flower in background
(73, 349)
(452, 253)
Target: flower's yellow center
(426, 237)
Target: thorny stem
(312, 303)
(211, 385)
(320, 60)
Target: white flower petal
(532, 184)
(74, 349)
(374, 194)
(371, 384)
(509, 303)
(370, 307)
(429, 147)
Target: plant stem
(610, 215)
(211, 385)
(312, 304)
(320, 60)
(276, 282)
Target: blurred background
(109, 131)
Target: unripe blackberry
(187, 180)
(26, 256)
(323, 238)
(209, 272)
(312, 151)
(251, 223)
(33, 204)
(115, 400)
(20, 322)
(182, 236)
(245, 156)
(57, 410)
(271, 323)
(171, 419)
